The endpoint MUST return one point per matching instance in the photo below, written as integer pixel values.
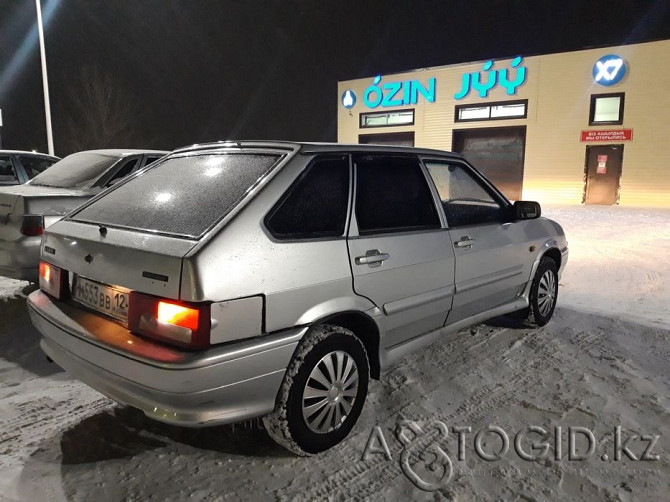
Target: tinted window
(182, 196)
(79, 170)
(393, 196)
(151, 159)
(7, 173)
(35, 165)
(124, 171)
(464, 199)
(315, 206)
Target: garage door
(498, 153)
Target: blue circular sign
(348, 99)
(609, 70)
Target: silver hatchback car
(273, 279)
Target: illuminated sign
(402, 93)
(493, 77)
(348, 99)
(607, 135)
(609, 70)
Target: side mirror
(526, 210)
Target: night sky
(178, 72)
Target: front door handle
(464, 242)
(373, 258)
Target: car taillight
(53, 280)
(32, 225)
(179, 323)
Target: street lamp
(45, 82)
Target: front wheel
(323, 391)
(543, 292)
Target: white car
(25, 210)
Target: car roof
(25, 152)
(309, 147)
(122, 151)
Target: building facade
(589, 126)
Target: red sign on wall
(609, 135)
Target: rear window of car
(35, 165)
(182, 196)
(7, 172)
(79, 170)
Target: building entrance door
(498, 152)
(603, 172)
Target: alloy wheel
(330, 392)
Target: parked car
(238, 280)
(17, 167)
(25, 210)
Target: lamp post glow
(45, 82)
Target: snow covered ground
(602, 362)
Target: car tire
(543, 292)
(331, 365)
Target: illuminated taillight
(178, 315)
(179, 323)
(53, 280)
(32, 225)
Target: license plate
(106, 299)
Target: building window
(387, 119)
(493, 111)
(393, 138)
(606, 108)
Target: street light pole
(45, 82)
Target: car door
(399, 249)
(493, 258)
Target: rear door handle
(373, 258)
(464, 242)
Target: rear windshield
(79, 170)
(182, 196)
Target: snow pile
(600, 363)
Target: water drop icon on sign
(348, 99)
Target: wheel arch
(365, 329)
(551, 249)
(555, 254)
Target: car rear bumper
(20, 259)
(220, 385)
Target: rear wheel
(323, 391)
